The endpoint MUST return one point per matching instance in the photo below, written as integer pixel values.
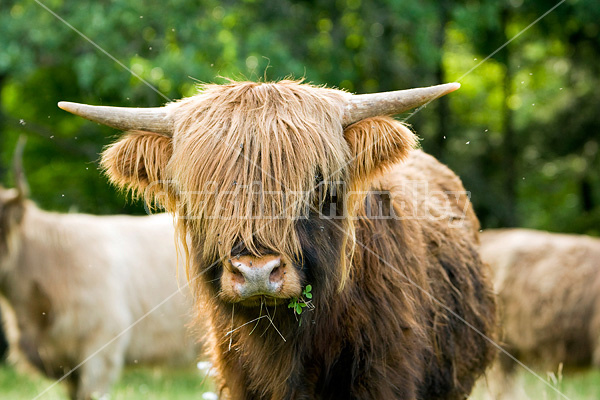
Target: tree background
(523, 132)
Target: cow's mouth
(262, 300)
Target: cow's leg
(500, 381)
(72, 384)
(594, 335)
(97, 375)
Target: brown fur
(548, 287)
(138, 160)
(378, 144)
(385, 290)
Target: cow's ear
(137, 162)
(377, 143)
(12, 210)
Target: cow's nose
(253, 276)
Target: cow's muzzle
(250, 279)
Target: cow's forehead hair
(246, 136)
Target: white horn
(361, 106)
(123, 118)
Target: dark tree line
(523, 132)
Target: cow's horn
(155, 119)
(361, 106)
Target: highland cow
(324, 245)
(547, 294)
(91, 292)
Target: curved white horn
(361, 106)
(123, 118)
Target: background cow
(92, 292)
(401, 303)
(548, 287)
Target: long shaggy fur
(376, 144)
(137, 163)
(548, 287)
(236, 142)
(391, 330)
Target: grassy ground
(577, 385)
(178, 384)
(137, 383)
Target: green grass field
(142, 383)
(137, 383)
(577, 385)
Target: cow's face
(12, 209)
(261, 176)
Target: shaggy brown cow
(79, 283)
(547, 285)
(295, 194)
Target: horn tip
(65, 105)
(453, 86)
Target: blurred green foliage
(523, 132)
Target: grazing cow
(91, 292)
(326, 248)
(548, 295)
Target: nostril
(276, 275)
(236, 275)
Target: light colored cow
(92, 293)
(547, 285)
